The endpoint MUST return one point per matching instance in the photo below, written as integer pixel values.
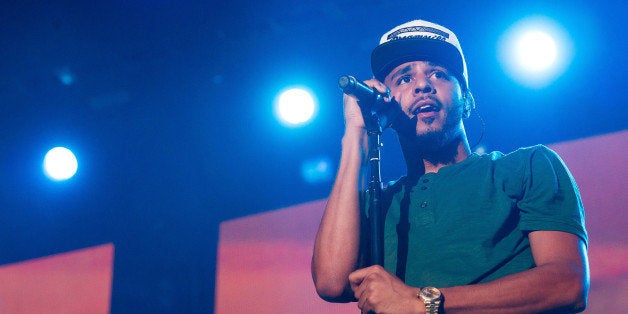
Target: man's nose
(423, 85)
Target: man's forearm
(336, 248)
(533, 291)
(559, 282)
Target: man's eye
(404, 80)
(439, 74)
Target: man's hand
(353, 115)
(379, 291)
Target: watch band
(431, 307)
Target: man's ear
(469, 104)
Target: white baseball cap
(419, 40)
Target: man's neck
(434, 161)
(420, 160)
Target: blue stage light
(318, 170)
(65, 76)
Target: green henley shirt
(469, 222)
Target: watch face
(430, 293)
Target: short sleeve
(550, 200)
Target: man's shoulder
(522, 153)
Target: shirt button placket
(424, 187)
(425, 214)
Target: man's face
(430, 96)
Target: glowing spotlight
(295, 107)
(535, 51)
(316, 170)
(60, 164)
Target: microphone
(370, 100)
(365, 95)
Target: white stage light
(60, 164)
(535, 51)
(295, 107)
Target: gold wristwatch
(431, 297)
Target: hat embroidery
(438, 34)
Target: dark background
(170, 116)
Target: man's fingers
(360, 280)
(379, 86)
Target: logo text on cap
(419, 29)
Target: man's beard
(431, 141)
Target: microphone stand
(374, 131)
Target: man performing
(462, 232)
